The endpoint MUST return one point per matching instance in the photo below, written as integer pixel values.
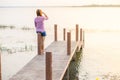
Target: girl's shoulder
(39, 18)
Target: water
(101, 56)
(93, 17)
(101, 52)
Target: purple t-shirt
(39, 23)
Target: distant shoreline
(93, 5)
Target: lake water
(101, 52)
(101, 56)
(87, 17)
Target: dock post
(39, 43)
(0, 68)
(77, 31)
(48, 65)
(77, 35)
(55, 32)
(64, 33)
(83, 38)
(81, 35)
(68, 43)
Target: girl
(40, 30)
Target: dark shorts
(42, 33)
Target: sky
(55, 2)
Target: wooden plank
(35, 69)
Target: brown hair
(39, 12)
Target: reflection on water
(74, 67)
(25, 48)
(17, 40)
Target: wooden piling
(83, 38)
(81, 35)
(55, 32)
(77, 31)
(39, 43)
(68, 43)
(64, 33)
(0, 68)
(48, 65)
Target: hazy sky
(54, 2)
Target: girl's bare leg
(39, 43)
(42, 45)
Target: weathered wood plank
(35, 69)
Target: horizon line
(92, 5)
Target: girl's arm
(46, 17)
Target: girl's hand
(43, 12)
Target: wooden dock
(53, 64)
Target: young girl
(39, 25)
